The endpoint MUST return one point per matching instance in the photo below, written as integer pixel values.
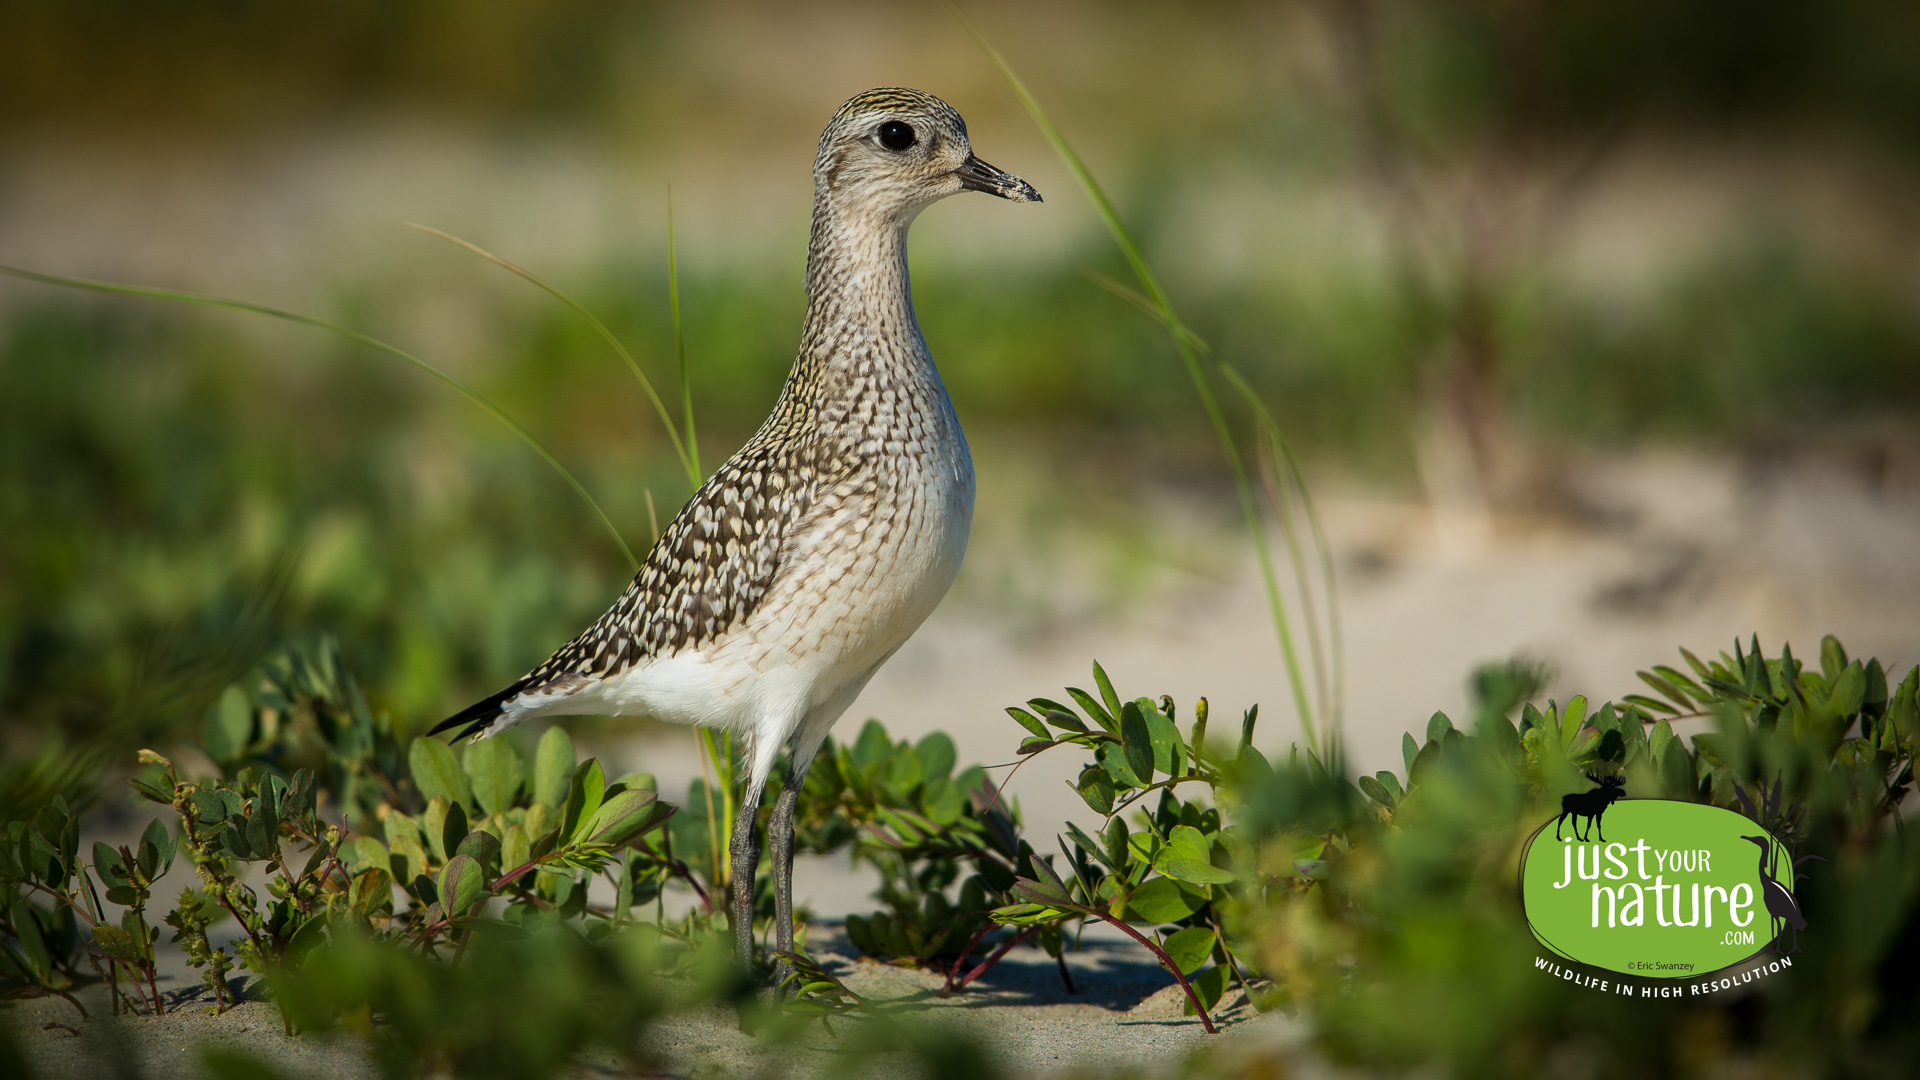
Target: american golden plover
(808, 558)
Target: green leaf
(636, 781)
(495, 772)
(1163, 900)
(1066, 721)
(584, 793)
(1094, 848)
(1188, 842)
(904, 771)
(553, 765)
(1029, 721)
(106, 863)
(1658, 741)
(1209, 986)
(515, 848)
(433, 827)
(1189, 948)
(462, 885)
(1043, 875)
(1096, 788)
(1437, 727)
(1106, 689)
(1847, 693)
(484, 847)
(1571, 720)
(1409, 750)
(1376, 791)
(872, 747)
(262, 832)
(398, 825)
(1833, 657)
(116, 943)
(372, 892)
(437, 773)
(1039, 893)
(1392, 784)
(364, 851)
(229, 726)
(407, 860)
(1115, 839)
(1137, 743)
(208, 809)
(1193, 870)
(626, 816)
(1091, 706)
(453, 830)
(937, 755)
(1169, 753)
(1187, 857)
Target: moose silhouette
(1589, 805)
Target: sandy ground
(1646, 553)
(1123, 1011)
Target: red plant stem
(159, 1004)
(515, 874)
(257, 943)
(681, 870)
(1060, 958)
(960, 960)
(993, 958)
(71, 1001)
(1205, 1020)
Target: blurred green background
(1543, 227)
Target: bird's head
(1761, 840)
(891, 153)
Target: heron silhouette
(1780, 902)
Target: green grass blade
(688, 460)
(1186, 344)
(200, 299)
(680, 346)
(1289, 485)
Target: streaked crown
(893, 151)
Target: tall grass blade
(680, 346)
(1287, 486)
(713, 744)
(689, 459)
(200, 299)
(1154, 299)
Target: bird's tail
(482, 715)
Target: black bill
(977, 175)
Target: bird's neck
(860, 320)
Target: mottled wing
(708, 572)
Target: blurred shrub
(1394, 920)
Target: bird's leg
(746, 858)
(780, 844)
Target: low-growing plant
(901, 808)
(455, 834)
(1388, 908)
(1168, 872)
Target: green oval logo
(1656, 888)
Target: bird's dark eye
(896, 135)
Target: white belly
(857, 582)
